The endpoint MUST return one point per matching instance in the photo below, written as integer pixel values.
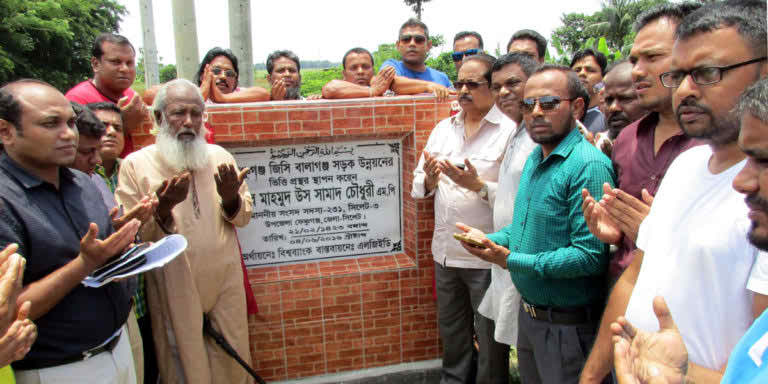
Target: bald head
(621, 102)
(37, 127)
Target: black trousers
(553, 353)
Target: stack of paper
(138, 259)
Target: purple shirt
(637, 167)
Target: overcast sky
(326, 29)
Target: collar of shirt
(563, 149)
(494, 116)
(24, 177)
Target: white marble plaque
(322, 201)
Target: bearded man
(201, 196)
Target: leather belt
(577, 315)
(85, 355)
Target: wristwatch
(483, 192)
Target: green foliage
(384, 53)
(167, 73)
(51, 40)
(443, 63)
(312, 81)
(608, 30)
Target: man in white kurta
(207, 277)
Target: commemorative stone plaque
(322, 201)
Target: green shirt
(555, 261)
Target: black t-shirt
(48, 224)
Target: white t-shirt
(698, 258)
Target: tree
(416, 5)
(608, 30)
(51, 40)
(167, 73)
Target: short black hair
(464, 34)
(212, 54)
(575, 88)
(86, 122)
(486, 59)
(97, 52)
(749, 21)
(10, 108)
(602, 61)
(530, 34)
(754, 100)
(673, 11)
(413, 22)
(359, 50)
(278, 54)
(526, 63)
(104, 106)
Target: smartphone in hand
(465, 238)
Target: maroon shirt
(638, 168)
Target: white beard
(179, 154)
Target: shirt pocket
(487, 164)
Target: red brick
(271, 116)
(346, 123)
(302, 115)
(316, 125)
(225, 118)
(260, 128)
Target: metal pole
(185, 36)
(151, 69)
(240, 38)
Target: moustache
(539, 121)
(618, 115)
(755, 200)
(222, 82)
(465, 97)
(689, 104)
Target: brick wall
(331, 316)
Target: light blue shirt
(748, 363)
(430, 74)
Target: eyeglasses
(702, 76)
(471, 85)
(547, 103)
(227, 72)
(457, 56)
(420, 39)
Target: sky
(326, 29)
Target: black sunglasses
(228, 72)
(420, 39)
(457, 56)
(471, 85)
(702, 76)
(547, 103)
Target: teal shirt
(555, 261)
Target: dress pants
(459, 292)
(553, 353)
(114, 367)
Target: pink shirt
(86, 92)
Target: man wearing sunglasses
(692, 246)
(359, 80)
(459, 167)
(555, 263)
(466, 43)
(414, 45)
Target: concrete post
(185, 36)
(151, 69)
(240, 39)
